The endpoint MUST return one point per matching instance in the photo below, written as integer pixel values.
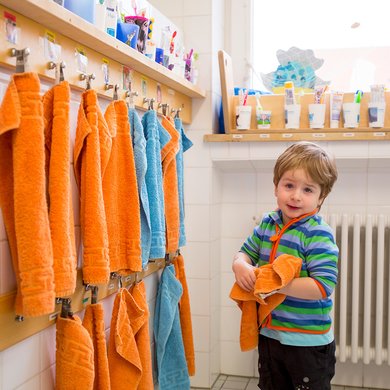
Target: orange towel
(185, 316)
(57, 133)
(269, 277)
(123, 357)
(23, 195)
(91, 152)
(142, 337)
(93, 321)
(120, 193)
(171, 194)
(74, 355)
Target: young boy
(296, 342)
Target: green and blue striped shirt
(312, 240)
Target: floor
(244, 383)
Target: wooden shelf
(13, 331)
(53, 16)
(358, 134)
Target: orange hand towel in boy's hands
(93, 322)
(269, 278)
(56, 109)
(170, 185)
(91, 152)
(120, 191)
(23, 195)
(74, 355)
(185, 316)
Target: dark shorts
(287, 367)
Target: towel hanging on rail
(120, 191)
(170, 185)
(93, 322)
(185, 143)
(23, 195)
(56, 111)
(91, 152)
(139, 148)
(156, 137)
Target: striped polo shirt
(312, 240)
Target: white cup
(351, 114)
(292, 115)
(243, 117)
(376, 114)
(317, 116)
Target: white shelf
(53, 16)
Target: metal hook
(164, 107)
(150, 102)
(115, 275)
(87, 77)
(66, 310)
(107, 86)
(178, 112)
(172, 111)
(94, 292)
(52, 65)
(130, 96)
(115, 94)
(21, 58)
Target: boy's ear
(276, 190)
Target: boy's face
(297, 194)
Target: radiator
(361, 320)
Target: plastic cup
(351, 114)
(376, 114)
(127, 33)
(243, 117)
(292, 114)
(143, 24)
(317, 116)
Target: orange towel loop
(88, 78)
(66, 310)
(59, 67)
(94, 292)
(150, 102)
(21, 58)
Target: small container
(143, 24)
(263, 119)
(159, 55)
(127, 33)
(292, 115)
(351, 114)
(243, 117)
(376, 114)
(317, 115)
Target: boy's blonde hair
(314, 160)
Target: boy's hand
(244, 272)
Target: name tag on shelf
(287, 135)
(379, 134)
(318, 135)
(264, 135)
(237, 136)
(349, 135)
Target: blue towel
(171, 361)
(154, 182)
(141, 163)
(185, 144)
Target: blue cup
(159, 55)
(127, 33)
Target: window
(352, 37)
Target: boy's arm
(244, 271)
(303, 288)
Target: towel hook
(164, 107)
(88, 78)
(150, 102)
(66, 310)
(115, 93)
(130, 96)
(178, 113)
(172, 111)
(115, 275)
(59, 67)
(21, 58)
(94, 292)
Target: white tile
(219, 150)
(197, 30)
(7, 274)
(21, 362)
(215, 298)
(108, 304)
(339, 150)
(350, 189)
(201, 7)
(201, 332)
(202, 375)
(48, 378)
(243, 362)
(227, 282)
(237, 220)
(197, 185)
(47, 345)
(200, 296)
(215, 221)
(197, 260)
(202, 118)
(32, 384)
(151, 285)
(215, 255)
(197, 222)
(169, 8)
(215, 363)
(229, 247)
(379, 149)
(265, 188)
(239, 188)
(239, 150)
(378, 179)
(230, 323)
(198, 155)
